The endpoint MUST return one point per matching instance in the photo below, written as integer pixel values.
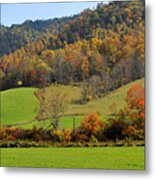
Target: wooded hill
(17, 36)
(103, 47)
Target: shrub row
(92, 130)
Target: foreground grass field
(130, 158)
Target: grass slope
(129, 158)
(100, 105)
(18, 105)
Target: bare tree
(52, 105)
(57, 108)
(91, 88)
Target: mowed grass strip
(18, 105)
(65, 122)
(127, 158)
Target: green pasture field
(65, 122)
(18, 105)
(127, 158)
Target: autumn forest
(107, 42)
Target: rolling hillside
(100, 105)
(20, 105)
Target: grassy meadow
(130, 158)
(20, 105)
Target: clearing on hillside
(106, 105)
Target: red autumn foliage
(135, 97)
(10, 138)
(136, 104)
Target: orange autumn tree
(136, 104)
(91, 123)
(85, 67)
(67, 136)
